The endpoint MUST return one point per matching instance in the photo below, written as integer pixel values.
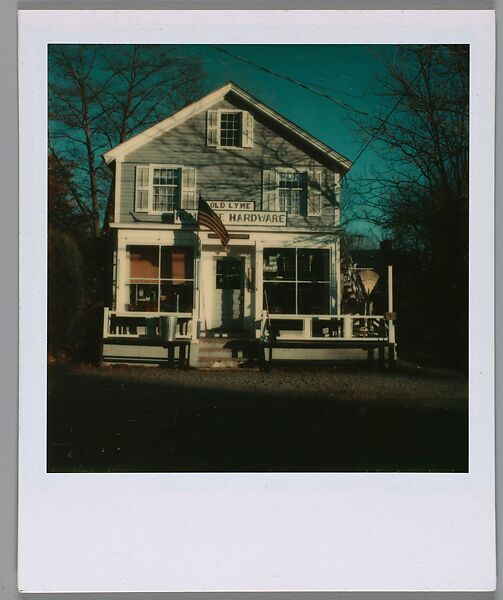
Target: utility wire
(331, 98)
(295, 81)
(385, 120)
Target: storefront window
(161, 278)
(297, 281)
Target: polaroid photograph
(256, 301)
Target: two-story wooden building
(276, 189)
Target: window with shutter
(161, 189)
(229, 128)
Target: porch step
(227, 352)
(225, 363)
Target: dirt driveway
(290, 419)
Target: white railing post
(347, 327)
(106, 327)
(306, 327)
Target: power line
(331, 98)
(291, 80)
(376, 132)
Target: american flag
(207, 217)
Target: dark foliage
(98, 97)
(419, 195)
(77, 271)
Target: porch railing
(327, 327)
(143, 324)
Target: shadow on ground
(125, 422)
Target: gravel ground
(407, 384)
(289, 419)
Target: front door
(228, 298)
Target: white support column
(338, 275)
(307, 327)
(347, 327)
(259, 281)
(391, 322)
(122, 268)
(197, 292)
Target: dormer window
(229, 128)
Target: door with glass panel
(228, 300)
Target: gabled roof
(209, 100)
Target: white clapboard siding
(188, 196)
(314, 195)
(212, 128)
(247, 130)
(142, 188)
(269, 189)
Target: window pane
(177, 262)
(230, 129)
(279, 297)
(279, 263)
(166, 187)
(176, 297)
(143, 297)
(292, 188)
(165, 198)
(313, 298)
(313, 265)
(229, 274)
(144, 262)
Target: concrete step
(226, 353)
(225, 363)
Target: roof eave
(192, 109)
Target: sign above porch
(253, 218)
(231, 205)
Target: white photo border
(254, 531)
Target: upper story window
(292, 192)
(164, 188)
(297, 191)
(229, 129)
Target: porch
(168, 337)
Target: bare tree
(101, 95)
(422, 145)
(418, 194)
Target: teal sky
(351, 74)
(348, 73)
